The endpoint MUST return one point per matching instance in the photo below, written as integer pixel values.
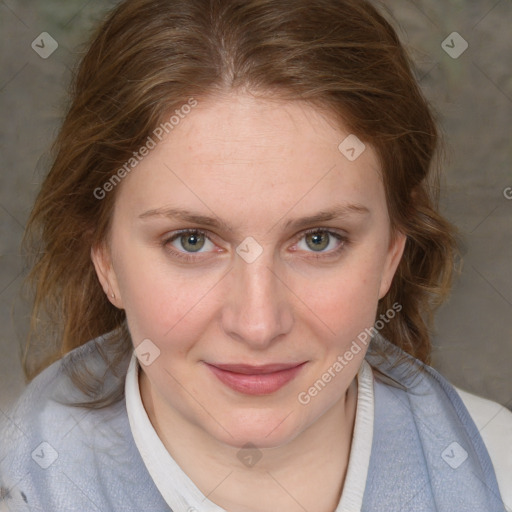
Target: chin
(261, 428)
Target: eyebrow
(336, 212)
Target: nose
(257, 310)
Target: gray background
(472, 95)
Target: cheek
(346, 300)
(159, 300)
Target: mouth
(255, 380)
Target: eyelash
(344, 241)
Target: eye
(322, 241)
(188, 241)
(183, 244)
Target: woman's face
(248, 238)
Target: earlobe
(102, 261)
(395, 252)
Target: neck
(305, 474)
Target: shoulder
(53, 393)
(46, 407)
(45, 440)
(494, 423)
(485, 425)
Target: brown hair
(150, 57)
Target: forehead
(233, 128)
(241, 155)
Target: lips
(255, 380)
(255, 370)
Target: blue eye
(191, 241)
(318, 242)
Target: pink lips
(255, 380)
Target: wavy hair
(148, 58)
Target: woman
(239, 252)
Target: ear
(102, 261)
(394, 255)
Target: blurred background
(462, 50)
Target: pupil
(318, 241)
(192, 242)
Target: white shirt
(182, 495)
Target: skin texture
(254, 164)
